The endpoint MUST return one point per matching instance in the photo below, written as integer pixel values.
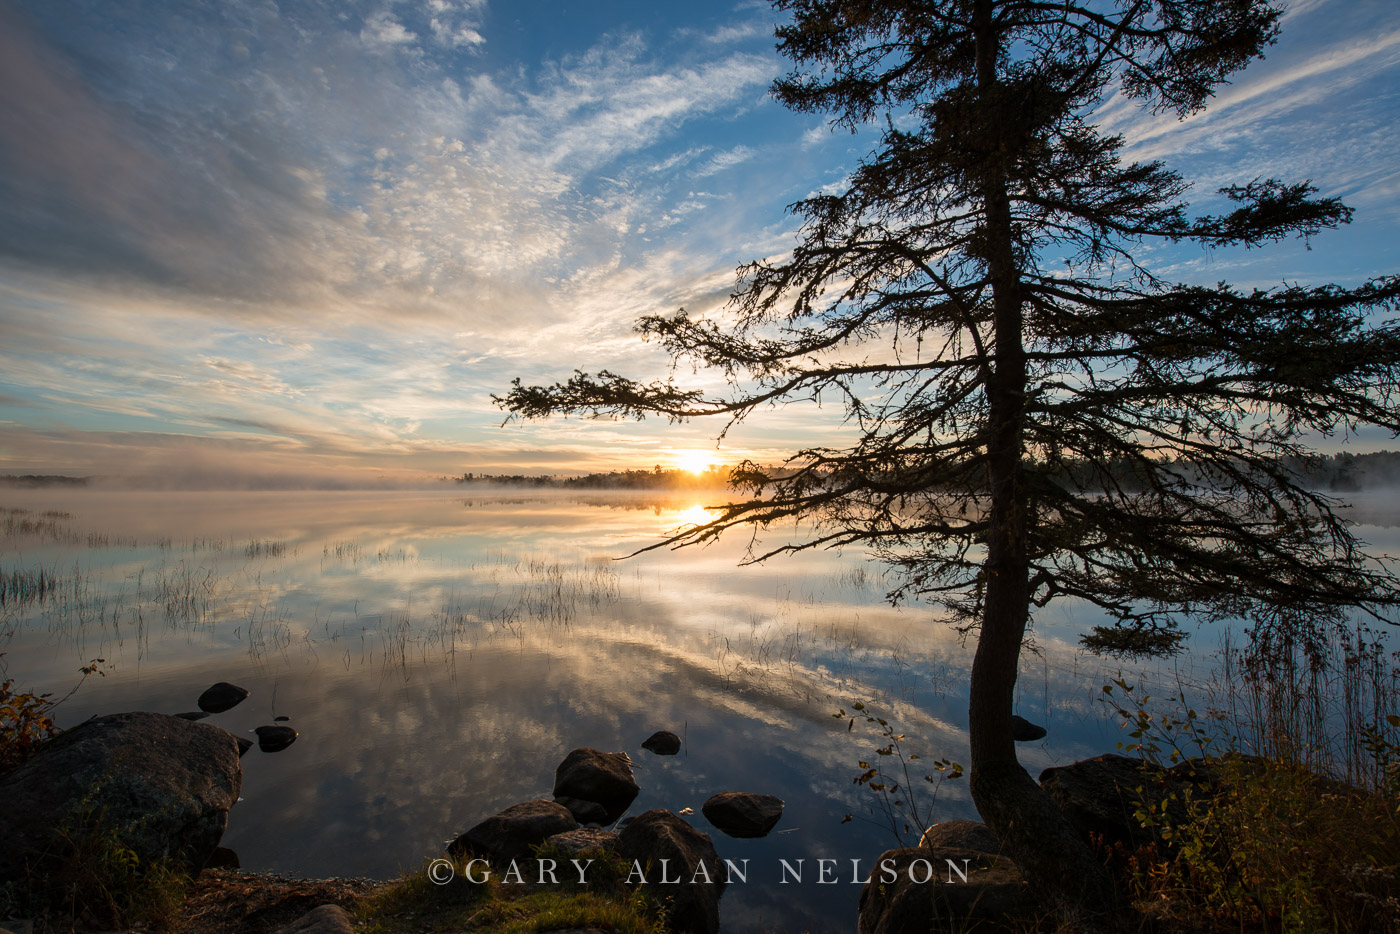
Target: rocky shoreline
(155, 790)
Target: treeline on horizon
(658, 478)
(1342, 472)
(38, 480)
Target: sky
(252, 242)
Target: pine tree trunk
(1057, 864)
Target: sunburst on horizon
(694, 461)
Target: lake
(441, 651)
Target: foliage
(1259, 842)
(26, 717)
(897, 803)
(98, 881)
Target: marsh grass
(23, 586)
(1267, 842)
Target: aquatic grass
(21, 523)
(20, 586)
(265, 549)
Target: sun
(694, 461)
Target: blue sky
(256, 241)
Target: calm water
(441, 652)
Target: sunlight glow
(694, 461)
(696, 515)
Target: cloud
(725, 160)
(382, 29)
(328, 180)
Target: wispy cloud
(331, 230)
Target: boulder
(916, 889)
(663, 743)
(222, 858)
(656, 835)
(585, 812)
(222, 696)
(741, 814)
(1100, 796)
(961, 834)
(160, 786)
(328, 919)
(583, 839)
(510, 834)
(604, 777)
(1024, 731)
(275, 738)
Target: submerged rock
(155, 784)
(604, 777)
(222, 696)
(244, 744)
(741, 814)
(510, 834)
(1024, 731)
(280, 719)
(663, 743)
(275, 738)
(191, 715)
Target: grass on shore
(416, 903)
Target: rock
(915, 889)
(222, 696)
(191, 715)
(510, 834)
(604, 777)
(663, 743)
(275, 738)
(741, 814)
(280, 719)
(584, 839)
(1024, 731)
(961, 834)
(244, 744)
(222, 858)
(328, 919)
(1100, 795)
(585, 812)
(159, 785)
(656, 835)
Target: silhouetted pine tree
(1034, 414)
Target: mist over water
(440, 652)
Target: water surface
(441, 652)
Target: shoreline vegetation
(1213, 838)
